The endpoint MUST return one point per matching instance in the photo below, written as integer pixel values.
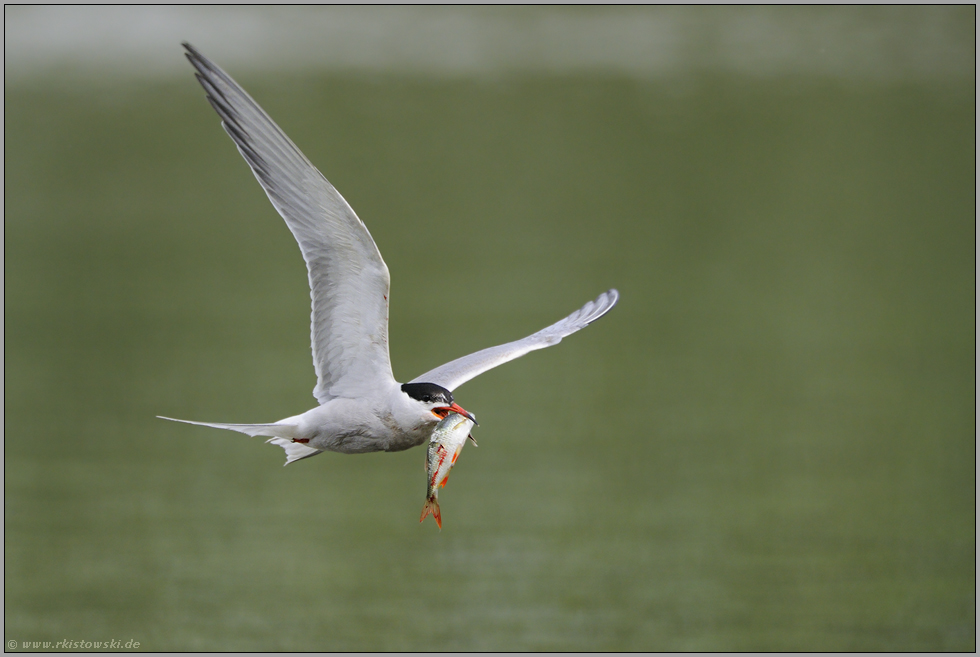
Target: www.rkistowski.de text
(73, 644)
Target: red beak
(443, 411)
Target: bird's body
(361, 406)
(390, 421)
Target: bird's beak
(443, 411)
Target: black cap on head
(427, 392)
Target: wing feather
(349, 281)
(455, 373)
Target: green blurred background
(768, 445)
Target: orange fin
(432, 506)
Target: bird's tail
(294, 451)
(281, 434)
(432, 506)
(285, 430)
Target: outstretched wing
(348, 279)
(457, 372)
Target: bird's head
(436, 399)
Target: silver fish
(445, 445)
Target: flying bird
(361, 406)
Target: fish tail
(432, 506)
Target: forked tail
(432, 506)
(283, 430)
(294, 451)
(280, 434)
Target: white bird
(361, 406)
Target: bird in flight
(361, 406)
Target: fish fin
(458, 451)
(444, 480)
(432, 506)
(472, 440)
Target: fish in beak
(442, 411)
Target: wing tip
(612, 296)
(192, 54)
(600, 306)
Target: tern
(362, 408)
